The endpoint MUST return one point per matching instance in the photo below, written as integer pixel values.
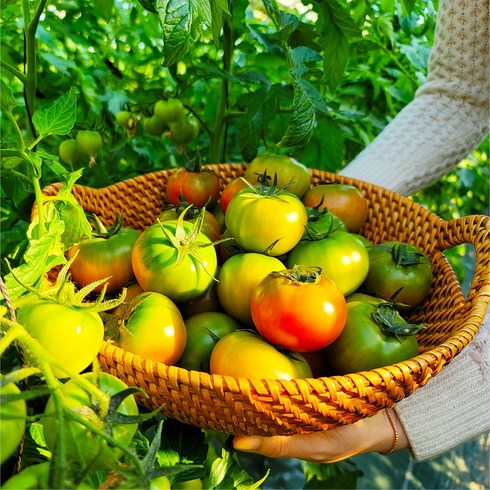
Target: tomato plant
(153, 328)
(203, 332)
(290, 173)
(244, 353)
(194, 186)
(250, 269)
(107, 254)
(343, 200)
(342, 257)
(12, 420)
(265, 220)
(374, 335)
(85, 447)
(400, 272)
(298, 309)
(176, 259)
(72, 336)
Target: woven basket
(272, 407)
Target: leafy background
(318, 80)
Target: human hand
(372, 434)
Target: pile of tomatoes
(269, 279)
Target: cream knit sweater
(447, 119)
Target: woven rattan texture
(269, 407)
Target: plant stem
(18, 74)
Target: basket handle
(474, 230)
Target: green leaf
(182, 24)
(219, 9)
(104, 7)
(409, 4)
(54, 162)
(7, 101)
(59, 118)
(341, 475)
(302, 120)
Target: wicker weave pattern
(270, 407)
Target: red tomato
(200, 188)
(230, 190)
(343, 200)
(298, 309)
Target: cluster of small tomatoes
(268, 279)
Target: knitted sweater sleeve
(449, 115)
(448, 118)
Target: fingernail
(247, 443)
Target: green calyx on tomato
(368, 341)
(266, 219)
(111, 424)
(175, 258)
(104, 256)
(398, 272)
(321, 223)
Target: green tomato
(184, 131)
(90, 142)
(261, 223)
(33, 477)
(83, 446)
(169, 111)
(250, 269)
(363, 345)
(158, 266)
(160, 483)
(342, 257)
(289, 171)
(70, 152)
(154, 126)
(12, 421)
(203, 332)
(72, 336)
(398, 271)
(195, 484)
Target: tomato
(343, 200)
(127, 121)
(89, 142)
(203, 332)
(208, 301)
(102, 257)
(12, 421)
(195, 484)
(179, 271)
(200, 188)
(244, 353)
(70, 152)
(153, 126)
(71, 336)
(249, 269)
(83, 446)
(289, 171)
(33, 477)
(298, 309)
(160, 483)
(401, 269)
(265, 223)
(210, 227)
(168, 111)
(341, 256)
(154, 329)
(364, 345)
(235, 185)
(183, 131)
